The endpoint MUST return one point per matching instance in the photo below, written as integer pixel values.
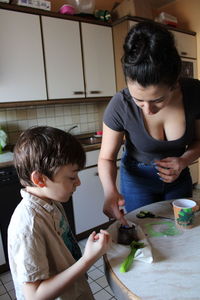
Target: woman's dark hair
(150, 55)
(45, 149)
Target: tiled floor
(96, 277)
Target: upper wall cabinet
(63, 59)
(46, 57)
(75, 72)
(186, 44)
(98, 60)
(21, 58)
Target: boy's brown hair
(45, 149)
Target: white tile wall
(88, 118)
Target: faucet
(71, 128)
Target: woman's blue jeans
(140, 184)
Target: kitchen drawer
(92, 158)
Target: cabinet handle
(96, 174)
(78, 93)
(95, 92)
(183, 53)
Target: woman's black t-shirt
(122, 114)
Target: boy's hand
(97, 245)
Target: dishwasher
(10, 197)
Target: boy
(45, 259)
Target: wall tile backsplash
(87, 117)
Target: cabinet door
(21, 58)
(186, 44)
(88, 201)
(98, 60)
(63, 58)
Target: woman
(158, 116)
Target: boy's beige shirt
(36, 249)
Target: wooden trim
(119, 34)
(140, 19)
(35, 11)
(108, 270)
(53, 102)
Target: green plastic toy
(125, 266)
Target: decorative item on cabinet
(83, 6)
(67, 9)
(40, 4)
(103, 15)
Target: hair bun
(136, 48)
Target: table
(175, 271)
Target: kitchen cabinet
(120, 31)
(88, 198)
(186, 44)
(21, 58)
(45, 57)
(79, 59)
(63, 59)
(98, 59)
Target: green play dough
(164, 228)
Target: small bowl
(67, 9)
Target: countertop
(6, 159)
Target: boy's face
(63, 184)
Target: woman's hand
(112, 205)
(170, 168)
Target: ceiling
(159, 3)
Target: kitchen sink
(91, 140)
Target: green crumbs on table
(165, 228)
